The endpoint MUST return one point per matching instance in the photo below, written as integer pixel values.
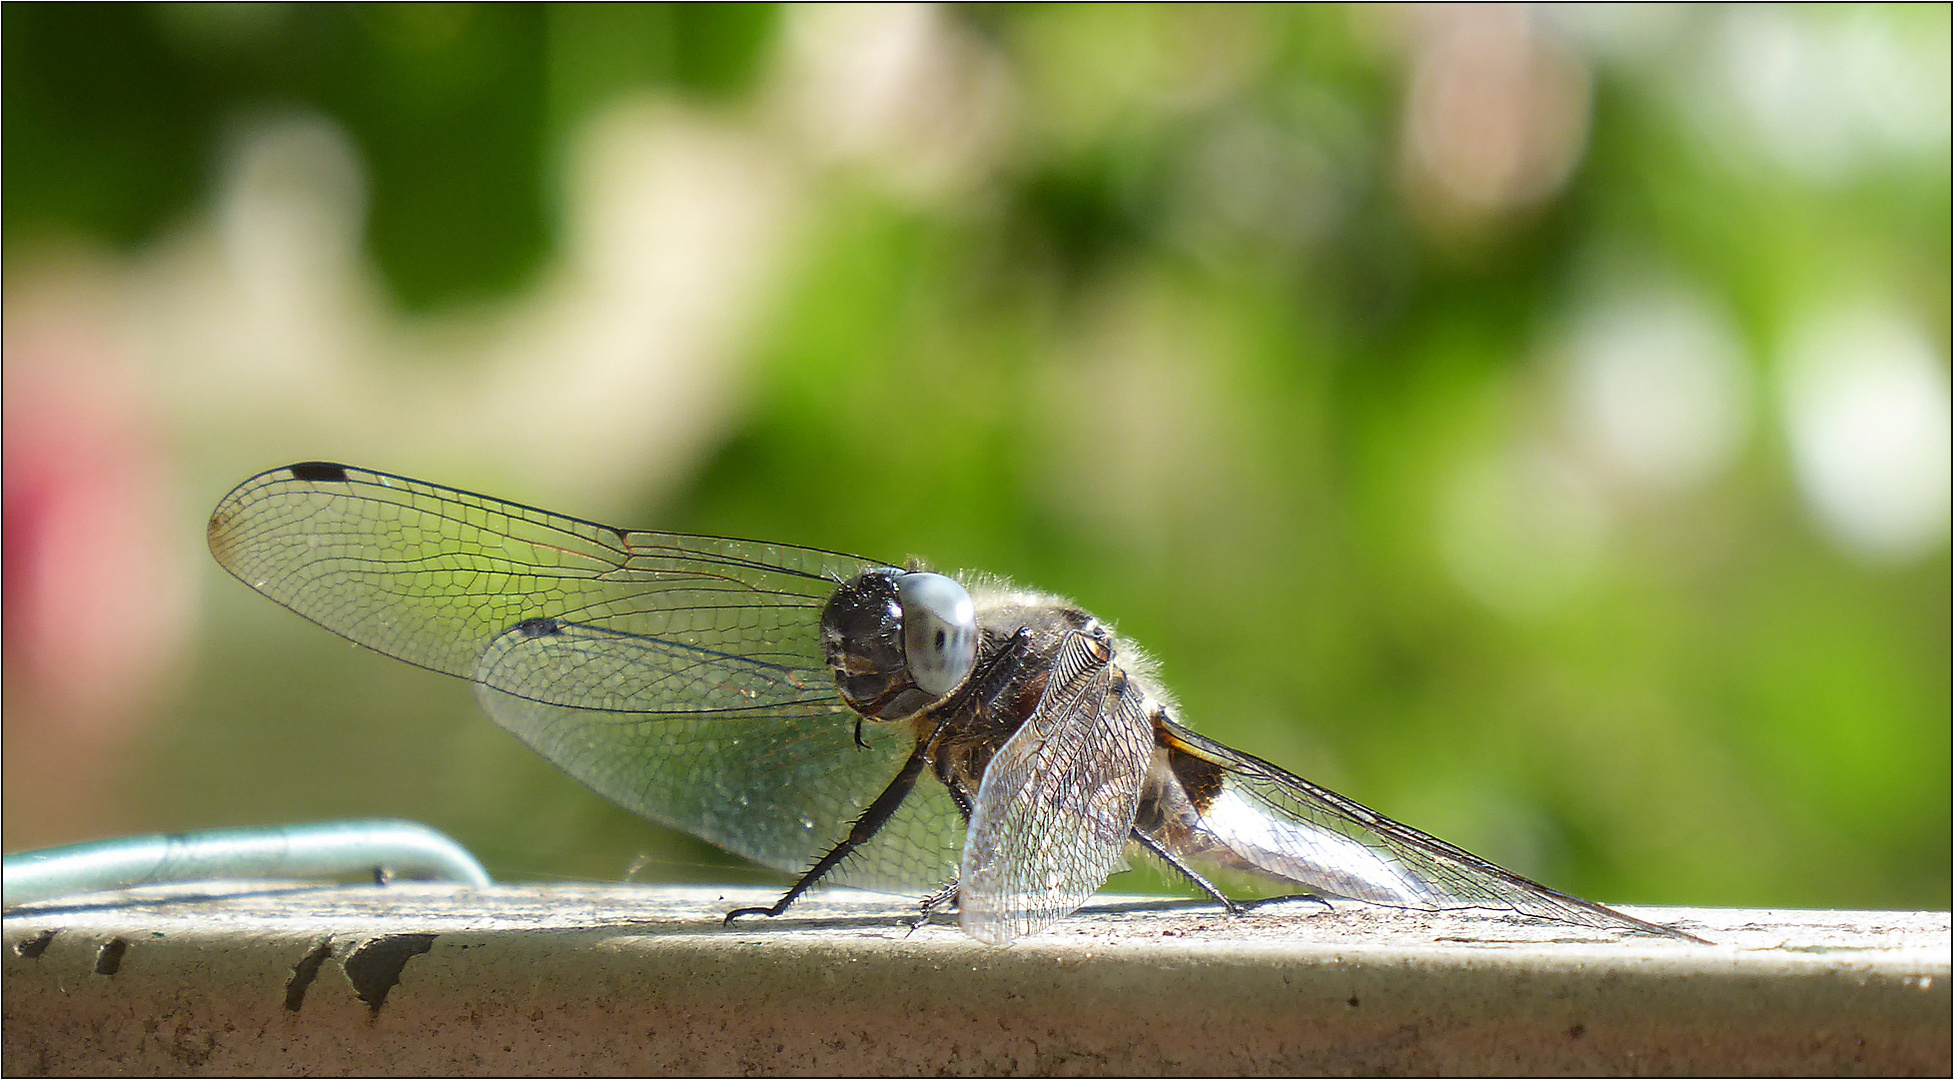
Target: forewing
(680, 676)
(1056, 805)
(1272, 821)
(670, 624)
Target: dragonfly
(998, 750)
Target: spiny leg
(877, 815)
(1187, 872)
(1251, 905)
(1233, 906)
(947, 895)
(984, 689)
(985, 685)
(943, 897)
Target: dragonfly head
(899, 641)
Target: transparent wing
(437, 577)
(680, 676)
(1245, 813)
(1056, 805)
(780, 790)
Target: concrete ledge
(635, 980)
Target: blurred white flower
(1830, 94)
(600, 382)
(1658, 387)
(898, 88)
(1866, 409)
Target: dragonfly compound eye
(939, 631)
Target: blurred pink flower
(1496, 115)
(97, 593)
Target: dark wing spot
(109, 960)
(374, 968)
(1200, 779)
(940, 639)
(539, 627)
(319, 472)
(303, 973)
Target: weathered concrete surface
(636, 980)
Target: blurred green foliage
(458, 111)
(1724, 709)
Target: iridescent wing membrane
(679, 676)
(1258, 817)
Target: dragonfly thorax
(898, 642)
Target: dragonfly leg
(957, 796)
(994, 679)
(1250, 905)
(878, 814)
(985, 685)
(980, 691)
(1234, 907)
(943, 897)
(1192, 875)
